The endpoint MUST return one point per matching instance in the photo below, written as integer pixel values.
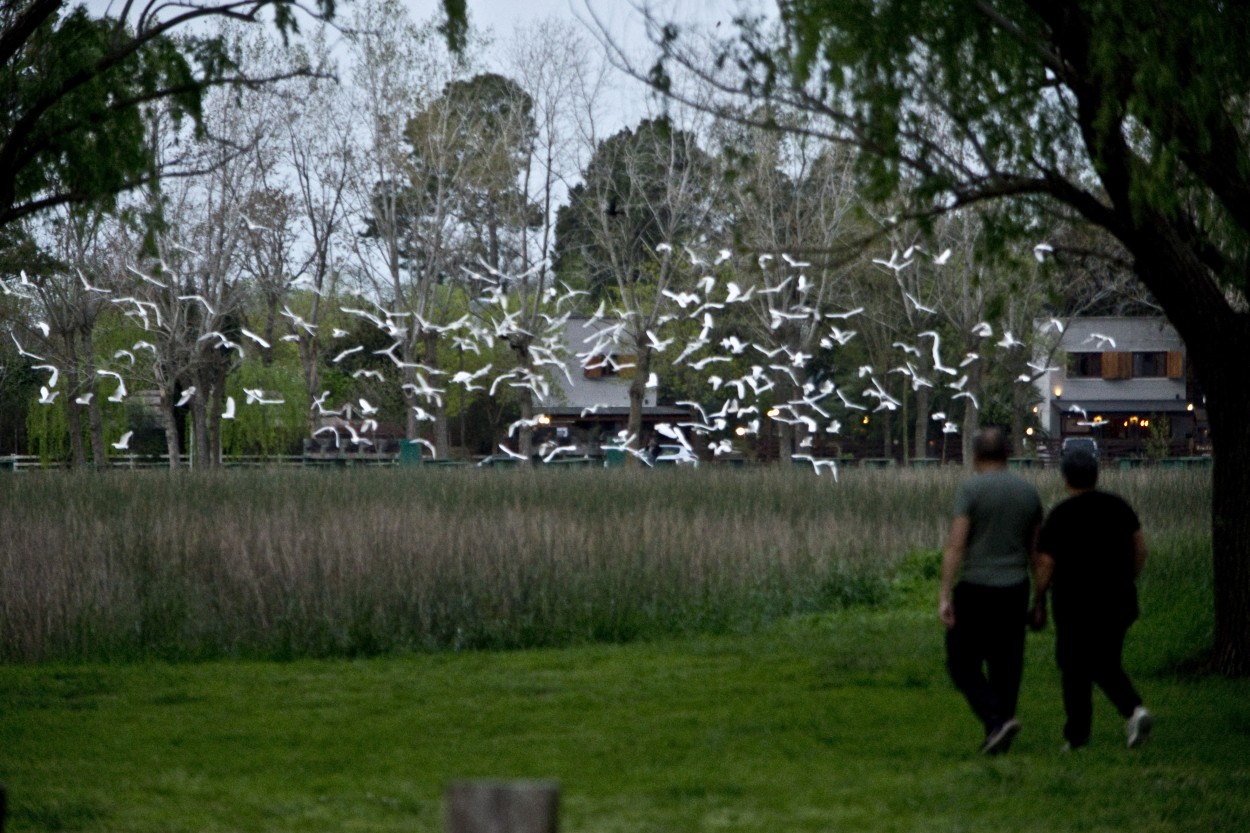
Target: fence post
(502, 806)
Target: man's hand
(1037, 616)
(946, 612)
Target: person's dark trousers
(1089, 654)
(985, 649)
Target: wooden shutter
(1176, 364)
(1117, 365)
(627, 366)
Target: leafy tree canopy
(1130, 116)
(74, 84)
(618, 216)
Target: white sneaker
(998, 741)
(1137, 727)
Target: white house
(589, 404)
(1112, 376)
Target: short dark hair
(990, 444)
(1080, 468)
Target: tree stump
(502, 806)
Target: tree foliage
(75, 85)
(1129, 116)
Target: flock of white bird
(543, 339)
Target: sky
(621, 20)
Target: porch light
(1189, 407)
(543, 419)
(1028, 432)
(773, 412)
(1057, 390)
(741, 430)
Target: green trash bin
(613, 457)
(409, 453)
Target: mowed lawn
(707, 651)
(835, 722)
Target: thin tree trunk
(73, 420)
(922, 424)
(972, 412)
(169, 421)
(637, 395)
(785, 443)
(525, 434)
(887, 434)
(99, 452)
(212, 418)
(1017, 418)
(199, 427)
(786, 433)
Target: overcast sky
(620, 19)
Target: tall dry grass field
(276, 564)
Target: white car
(675, 455)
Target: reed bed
(285, 564)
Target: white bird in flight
(1008, 340)
(91, 288)
(347, 353)
(207, 306)
(254, 337)
(893, 263)
(120, 393)
(55, 371)
(1103, 341)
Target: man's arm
(1043, 572)
(952, 560)
(1139, 552)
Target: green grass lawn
(842, 721)
(687, 665)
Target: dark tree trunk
(1230, 527)
(169, 418)
(637, 396)
(921, 427)
(1218, 340)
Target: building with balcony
(1114, 378)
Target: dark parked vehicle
(1083, 443)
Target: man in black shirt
(1090, 551)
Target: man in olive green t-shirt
(989, 551)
